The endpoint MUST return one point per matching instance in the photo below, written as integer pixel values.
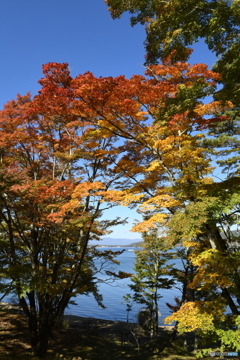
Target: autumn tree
(170, 145)
(55, 172)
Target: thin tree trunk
(156, 313)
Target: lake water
(113, 296)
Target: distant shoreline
(135, 244)
(115, 246)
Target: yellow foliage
(111, 195)
(190, 243)
(151, 223)
(154, 165)
(213, 268)
(163, 200)
(198, 315)
(130, 198)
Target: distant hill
(135, 244)
(116, 242)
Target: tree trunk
(40, 342)
(40, 326)
(40, 348)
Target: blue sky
(79, 32)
